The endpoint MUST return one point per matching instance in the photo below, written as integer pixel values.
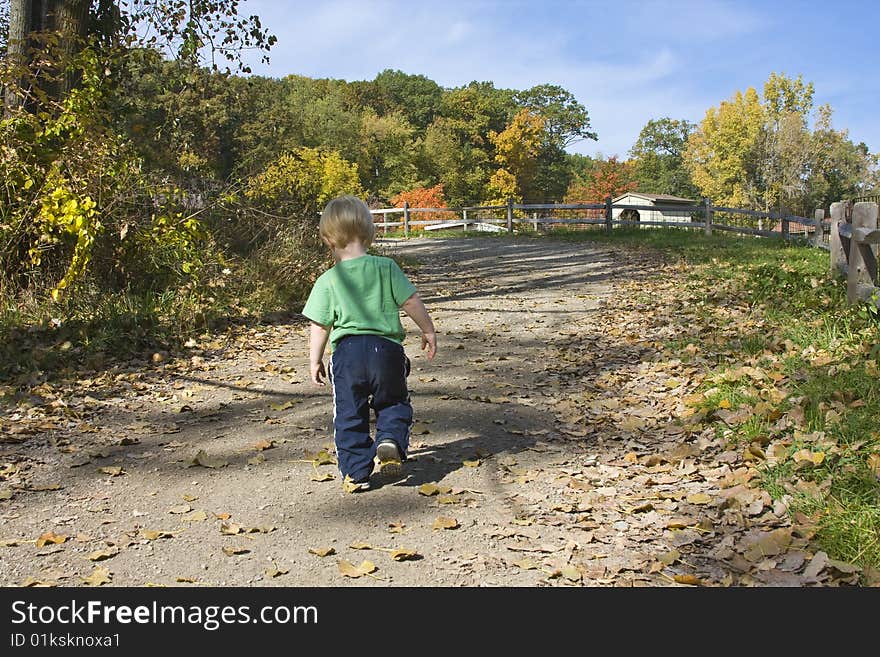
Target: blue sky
(626, 61)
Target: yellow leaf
(348, 569)
(874, 464)
(264, 444)
(571, 573)
(360, 545)
(275, 572)
(180, 508)
(443, 522)
(395, 527)
(51, 537)
(322, 457)
(152, 535)
(434, 489)
(100, 555)
(448, 499)
(472, 464)
(196, 516)
(699, 498)
(322, 551)
(282, 407)
(631, 457)
(112, 470)
(526, 564)
(405, 555)
(325, 476)
(230, 529)
(724, 403)
(98, 577)
(202, 459)
(690, 580)
(231, 551)
(669, 558)
(190, 498)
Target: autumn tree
(517, 148)
(422, 197)
(722, 155)
(608, 177)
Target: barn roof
(663, 198)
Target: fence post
(406, 218)
(535, 220)
(838, 255)
(708, 228)
(464, 217)
(862, 257)
(509, 215)
(819, 232)
(609, 211)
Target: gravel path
(527, 464)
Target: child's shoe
(390, 459)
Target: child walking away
(356, 305)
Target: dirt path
(545, 433)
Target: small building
(666, 213)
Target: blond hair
(347, 218)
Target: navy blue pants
(368, 371)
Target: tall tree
(722, 155)
(566, 120)
(657, 157)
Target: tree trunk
(33, 26)
(18, 49)
(68, 19)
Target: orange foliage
(424, 197)
(608, 178)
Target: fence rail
(851, 235)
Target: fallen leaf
(50, 537)
(433, 489)
(325, 476)
(395, 527)
(231, 551)
(348, 569)
(202, 459)
(282, 407)
(100, 555)
(190, 498)
(526, 564)
(323, 551)
(152, 534)
(112, 470)
(360, 545)
(699, 498)
(186, 580)
(264, 444)
(448, 499)
(230, 529)
(443, 522)
(196, 516)
(180, 508)
(98, 577)
(276, 572)
(571, 573)
(405, 555)
(256, 460)
(472, 464)
(691, 580)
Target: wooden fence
(851, 235)
(854, 240)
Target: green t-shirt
(361, 296)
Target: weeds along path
(553, 446)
